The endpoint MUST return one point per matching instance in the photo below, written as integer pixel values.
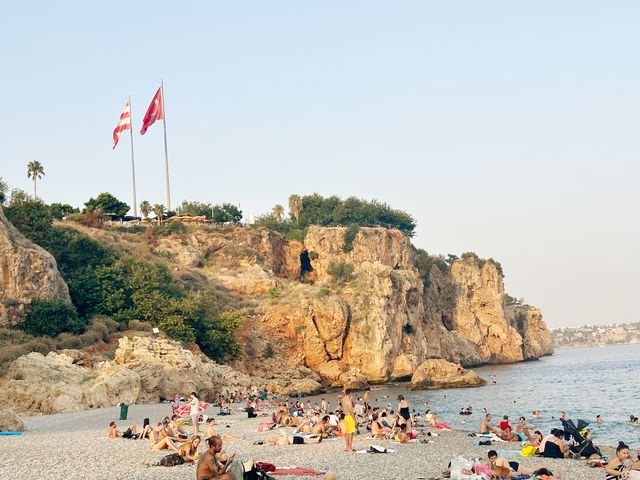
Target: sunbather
(189, 451)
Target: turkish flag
(154, 112)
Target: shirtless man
(486, 427)
(503, 467)
(322, 427)
(349, 420)
(367, 404)
(209, 467)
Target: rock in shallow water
(438, 373)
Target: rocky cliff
(145, 369)
(374, 323)
(26, 272)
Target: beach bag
(528, 451)
(377, 449)
(171, 460)
(460, 468)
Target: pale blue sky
(506, 128)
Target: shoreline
(74, 446)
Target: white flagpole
(166, 154)
(133, 165)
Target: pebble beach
(74, 446)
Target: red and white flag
(123, 124)
(154, 112)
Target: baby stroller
(584, 447)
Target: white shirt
(194, 406)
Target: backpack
(171, 460)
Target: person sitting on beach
(485, 426)
(176, 427)
(168, 432)
(158, 442)
(523, 430)
(146, 429)
(377, 430)
(209, 467)
(322, 427)
(189, 450)
(552, 445)
(112, 431)
(619, 466)
(505, 424)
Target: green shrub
(313, 255)
(275, 292)
(268, 351)
(51, 318)
(349, 236)
(139, 326)
(341, 272)
(324, 292)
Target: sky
(510, 129)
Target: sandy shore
(74, 446)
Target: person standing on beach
(349, 420)
(193, 411)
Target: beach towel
(442, 426)
(184, 410)
(295, 471)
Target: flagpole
(133, 165)
(166, 154)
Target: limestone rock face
(478, 314)
(439, 373)
(165, 368)
(536, 338)
(10, 421)
(27, 271)
(53, 384)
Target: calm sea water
(583, 382)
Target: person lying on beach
(189, 451)
(286, 439)
(209, 467)
(501, 467)
(509, 436)
(210, 431)
(112, 431)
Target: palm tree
(145, 209)
(278, 211)
(295, 207)
(35, 170)
(158, 211)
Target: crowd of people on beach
(299, 423)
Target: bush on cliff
(51, 318)
(425, 262)
(341, 272)
(333, 211)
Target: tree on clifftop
(107, 204)
(145, 208)
(35, 171)
(295, 207)
(158, 211)
(278, 212)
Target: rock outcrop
(439, 373)
(536, 338)
(10, 421)
(27, 271)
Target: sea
(582, 382)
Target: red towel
(295, 471)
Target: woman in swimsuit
(614, 469)
(146, 429)
(189, 451)
(403, 408)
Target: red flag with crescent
(154, 112)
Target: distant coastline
(586, 336)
